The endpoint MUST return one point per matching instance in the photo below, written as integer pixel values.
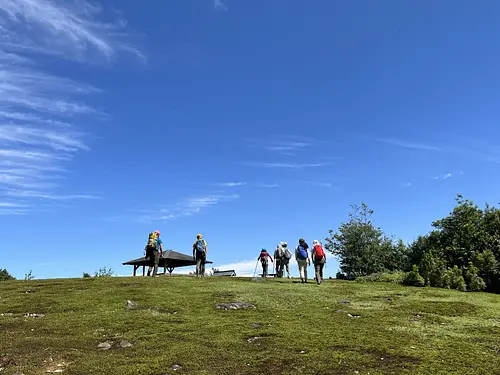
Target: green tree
(5, 275)
(362, 248)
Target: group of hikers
(154, 251)
(283, 255)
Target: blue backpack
(201, 247)
(302, 253)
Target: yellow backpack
(152, 240)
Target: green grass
(401, 330)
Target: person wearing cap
(154, 253)
(200, 251)
(303, 261)
(285, 260)
(278, 256)
(263, 256)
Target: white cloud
(48, 196)
(219, 5)
(285, 165)
(447, 176)
(412, 145)
(318, 184)
(38, 108)
(267, 185)
(231, 184)
(69, 29)
(185, 208)
(408, 184)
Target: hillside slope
(337, 328)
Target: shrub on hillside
(453, 279)
(474, 282)
(413, 278)
(5, 275)
(86, 275)
(104, 272)
(384, 277)
(432, 269)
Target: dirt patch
(389, 363)
(445, 308)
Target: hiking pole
(256, 264)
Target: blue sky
(251, 122)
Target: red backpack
(318, 252)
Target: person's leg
(157, 261)
(305, 271)
(287, 265)
(301, 269)
(317, 266)
(203, 259)
(198, 266)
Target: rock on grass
(234, 306)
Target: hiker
(319, 259)
(302, 256)
(263, 261)
(200, 251)
(154, 250)
(278, 256)
(285, 261)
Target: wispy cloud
(185, 207)
(406, 144)
(285, 144)
(447, 176)
(318, 184)
(231, 184)
(220, 6)
(285, 165)
(48, 196)
(408, 184)
(68, 29)
(39, 109)
(267, 185)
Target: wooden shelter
(169, 261)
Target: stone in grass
(256, 325)
(105, 345)
(234, 306)
(131, 305)
(344, 302)
(176, 367)
(30, 315)
(252, 339)
(124, 344)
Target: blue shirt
(158, 243)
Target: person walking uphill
(319, 259)
(278, 256)
(263, 256)
(302, 256)
(200, 251)
(154, 250)
(285, 261)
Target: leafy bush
(5, 275)
(413, 277)
(384, 277)
(340, 276)
(453, 279)
(104, 272)
(473, 280)
(433, 269)
(29, 275)
(86, 275)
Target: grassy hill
(339, 327)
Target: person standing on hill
(319, 259)
(154, 250)
(278, 256)
(263, 256)
(200, 251)
(285, 261)
(302, 256)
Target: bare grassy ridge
(400, 330)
